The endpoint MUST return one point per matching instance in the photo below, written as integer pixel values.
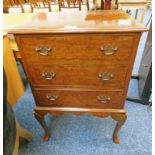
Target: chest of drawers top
(80, 22)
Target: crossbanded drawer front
(114, 49)
(78, 98)
(99, 76)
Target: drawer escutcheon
(48, 75)
(105, 76)
(103, 99)
(108, 49)
(43, 50)
(52, 97)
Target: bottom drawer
(78, 98)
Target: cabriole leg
(120, 118)
(41, 120)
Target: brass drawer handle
(52, 97)
(42, 50)
(105, 76)
(103, 99)
(108, 49)
(48, 75)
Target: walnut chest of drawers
(79, 62)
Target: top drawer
(45, 48)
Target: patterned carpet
(87, 134)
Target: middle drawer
(103, 76)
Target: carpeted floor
(87, 134)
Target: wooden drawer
(78, 98)
(103, 76)
(83, 47)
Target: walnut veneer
(79, 63)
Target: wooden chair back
(13, 4)
(136, 5)
(69, 4)
(40, 4)
(85, 2)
